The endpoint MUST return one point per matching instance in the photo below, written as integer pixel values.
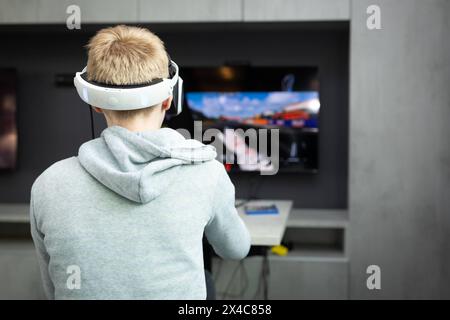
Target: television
(243, 97)
(8, 128)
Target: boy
(125, 218)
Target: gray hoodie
(125, 219)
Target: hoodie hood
(135, 164)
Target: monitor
(8, 128)
(284, 98)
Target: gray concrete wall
(399, 191)
(169, 11)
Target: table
(266, 229)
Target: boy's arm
(42, 255)
(226, 231)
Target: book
(261, 209)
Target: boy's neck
(137, 125)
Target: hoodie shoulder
(56, 174)
(214, 168)
(206, 176)
(213, 174)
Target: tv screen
(284, 98)
(260, 109)
(8, 129)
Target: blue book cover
(254, 210)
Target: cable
(217, 273)
(266, 277)
(252, 182)
(227, 288)
(243, 288)
(92, 122)
(258, 289)
(263, 279)
(254, 185)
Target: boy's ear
(166, 103)
(98, 110)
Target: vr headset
(132, 97)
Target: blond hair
(125, 55)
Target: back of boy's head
(125, 55)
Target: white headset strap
(173, 81)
